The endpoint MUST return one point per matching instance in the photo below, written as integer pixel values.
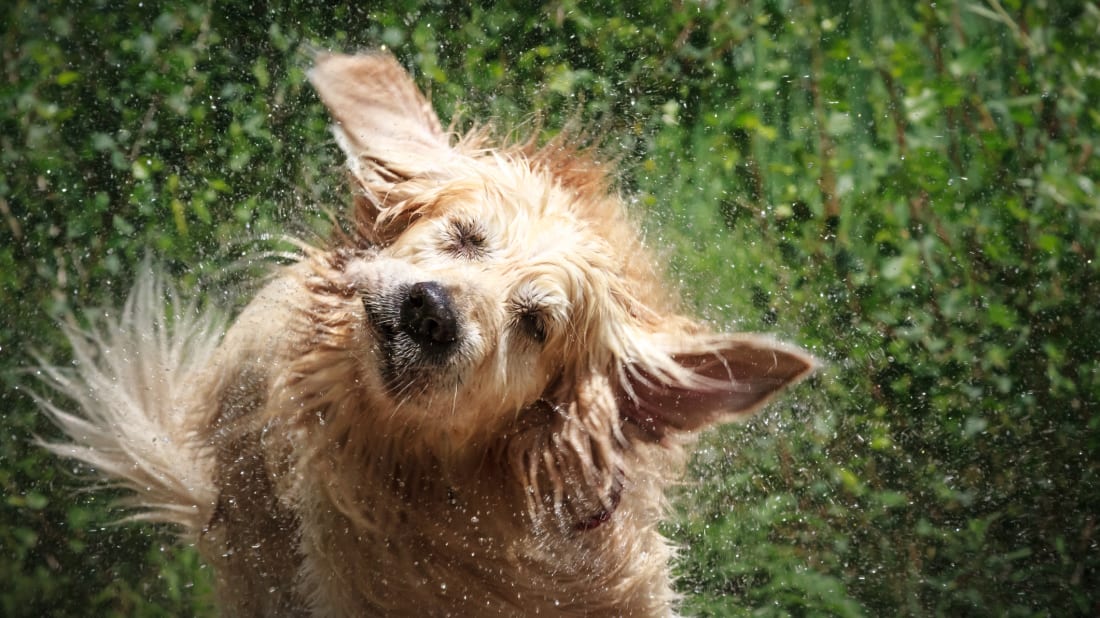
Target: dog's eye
(531, 322)
(466, 239)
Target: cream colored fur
(344, 451)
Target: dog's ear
(706, 380)
(384, 125)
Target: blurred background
(906, 188)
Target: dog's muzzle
(428, 318)
(419, 330)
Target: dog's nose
(428, 316)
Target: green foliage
(907, 188)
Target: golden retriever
(468, 403)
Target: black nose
(428, 317)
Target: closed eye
(466, 239)
(529, 320)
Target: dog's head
(485, 288)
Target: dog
(469, 402)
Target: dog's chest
(469, 554)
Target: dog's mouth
(419, 332)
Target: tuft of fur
(470, 403)
(131, 380)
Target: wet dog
(468, 403)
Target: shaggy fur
(467, 405)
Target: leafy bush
(907, 188)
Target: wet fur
(331, 458)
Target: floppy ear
(384, 125)
(707, 380)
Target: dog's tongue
(600, 517)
